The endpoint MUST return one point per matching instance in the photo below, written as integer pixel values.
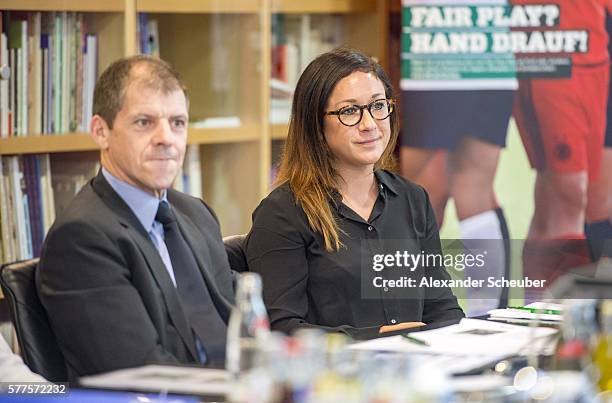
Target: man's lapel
(151, 255)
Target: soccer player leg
(428, 168)
(598, 227)
(486, 234)
(555, 130)
(553, 247)
(432, 123)
(482, 224)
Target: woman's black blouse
(306, 286)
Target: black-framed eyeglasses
(351, 115)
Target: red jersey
(581, 15)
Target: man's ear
(99, 131)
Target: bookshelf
(75, 142)
(225, 85)
(324, 6)
(223, 51)
(199, 6)
(35, 144)
(63, 5)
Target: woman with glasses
(319, 239)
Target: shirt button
(370, 228)
(386, 288)
(393, 321)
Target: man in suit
(133, 272)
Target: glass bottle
(577, 331)
(248, 326)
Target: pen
(536, 310)
(415, 340)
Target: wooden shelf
(59, 143)
(279, 131)
(198, 6)
(323, 6)
(63, 5)
(47, 144)
(221, 136)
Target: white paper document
(542, 311)
(475, 341)
(163, 379)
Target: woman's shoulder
(279, 204)
(282, 195)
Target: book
(46, 191)
(89, 78)
(79, 74)
(66, 39)
(23, 80)
(192, 166)
(152, 38)
(7, 246)
(32, 189)
(18, 46)
(46, 104)
(12, 97)
(4, 87)
(73, 50)
(57, 77)
(141, 33)
(34, 73)
(14, 170)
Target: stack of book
(26, 205)
(52, 62)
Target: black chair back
(234, 246)
(39, 347)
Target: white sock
(481, 233)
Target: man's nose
(163, 132)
